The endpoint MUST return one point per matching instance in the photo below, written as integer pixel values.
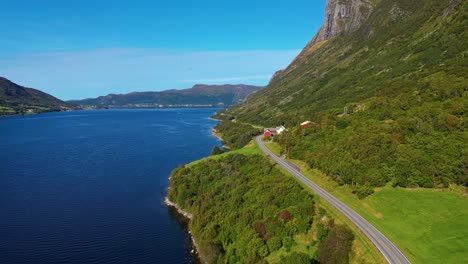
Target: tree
(216, 150)
(274, 244)
(363, 191)
(337, 246)
(296, 258)
(288, 242)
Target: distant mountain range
(16, 99)
(198, 96)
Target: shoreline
(188, 216)
(178, 209)
(39, 113)
(216, 134)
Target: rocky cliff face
(340, 16)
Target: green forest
(235, 135)
(245, 210)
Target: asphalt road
(391, 253)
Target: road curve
(391, 253)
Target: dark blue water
(88, 186)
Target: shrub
(363, 191)
(337, 246)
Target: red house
(267, 133)
(273, 131)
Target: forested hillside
(245, 210)
(389, 98)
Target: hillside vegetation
(16, 99)
(389, 98)
(245, 210)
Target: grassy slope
(430, 226)
(250, 149)
(387, 57)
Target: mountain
(341, 16)
(16, 99)
(198, 96)
(386, 83)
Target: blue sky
(81, 49)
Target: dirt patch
(377, 214)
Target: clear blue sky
(80, 49)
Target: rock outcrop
(340, 16)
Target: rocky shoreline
(179, 210)
(215, 119)
(195, 251)
(215, 134)
(188, 216)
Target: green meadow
(248, 150)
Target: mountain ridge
(200, 95)
(341, 17)
(17, 99)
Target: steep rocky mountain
(386, 82)
(198, 96)
(341, 16)
(16, 99)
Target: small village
(275, 131)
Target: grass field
(250, 149)
(431, 226)
(428, 225)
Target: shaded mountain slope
(16, 99)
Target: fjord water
(88, 186)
